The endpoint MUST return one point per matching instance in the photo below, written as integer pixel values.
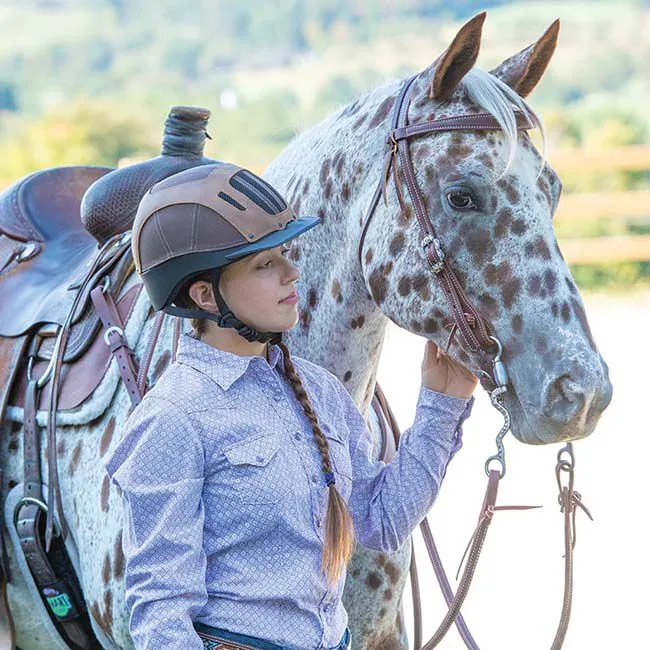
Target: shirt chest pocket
(255, 470)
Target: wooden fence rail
(599, 205)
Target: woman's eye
(460, 200)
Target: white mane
(498, 99)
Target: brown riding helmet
(202, 219)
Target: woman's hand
(441, 373)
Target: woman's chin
(282, 322)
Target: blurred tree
(81, 133)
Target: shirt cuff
(456, 407)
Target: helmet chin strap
(225, 318)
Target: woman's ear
(203, 296)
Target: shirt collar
(221, 366)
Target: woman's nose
(294, 273)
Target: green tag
(60, 604)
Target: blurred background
(92, 82)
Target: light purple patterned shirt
(225, 498)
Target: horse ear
(458, 59)
(523, 71)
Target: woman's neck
(228, 340)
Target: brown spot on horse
(503, 222)
(534, 286)
(74, 461)
(305, 319)
(373, 580)
(540, 248)
(378, 285)
(420, 283)
(430, 326)
(382, 112)
(404, 286)
(327, 192)
(519, 227)
(486, 160)
(336, 291)
(510, 291)
(324, 172)
(107, 436)
(397, 243)
(106, 569)
(106, 489)
(118, 564)
(498, 274)
(392, 571)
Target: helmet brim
(293, 229)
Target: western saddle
(65, 257)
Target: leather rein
(479, 337)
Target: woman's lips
(292, 299)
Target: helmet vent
(228, 199)
(258, 191)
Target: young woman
(246, 474)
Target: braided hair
(339, 527)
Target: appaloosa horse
(492, 200)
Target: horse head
(489, 197)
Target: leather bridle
(476, 331)
(479, 337)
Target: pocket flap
(258, 451)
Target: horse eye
(460, 200)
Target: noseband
(476, 330)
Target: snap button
(297, 436)
(260, 459)
(314, 478)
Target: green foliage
(79, 133)
(290, 63)
(612, 276)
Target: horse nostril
(563, 399)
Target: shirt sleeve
(388, 500)
(158, 465)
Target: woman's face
(255, 288)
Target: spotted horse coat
(502, 247)
(493, 215)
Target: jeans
(207, 631)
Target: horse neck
(332, 170)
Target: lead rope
(569, 501)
